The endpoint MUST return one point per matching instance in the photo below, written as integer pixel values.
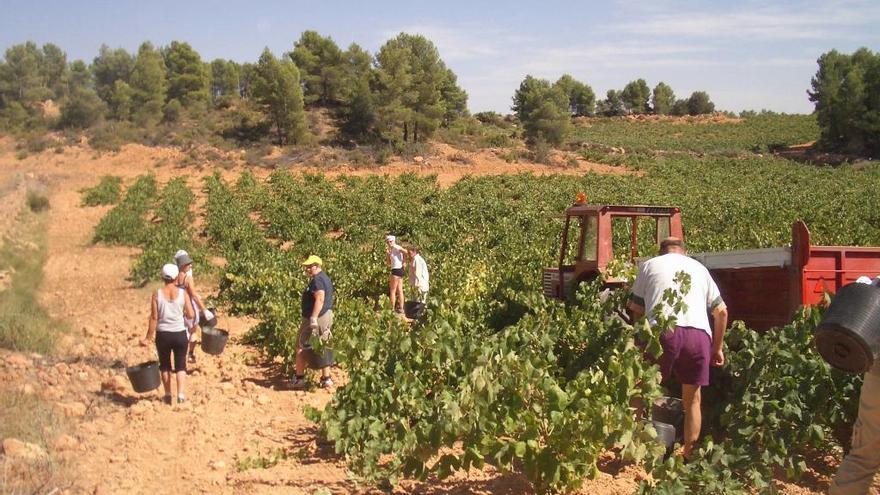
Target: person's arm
(316, 309)
(637, 309)
(153, 322)
(719, 314)
(190, 285)
(188, 312)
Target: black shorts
(168, 343)
(397, 272)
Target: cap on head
(390, 238)
(671, 244)
(183, 258)
(169, 271)
(312, 260)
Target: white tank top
(396, 258)
(170, 313)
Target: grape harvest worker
(418, 273)
(691, 346)
(186, 282)
(856, 473)
(317, 319)
(169, 306)
(395, 255)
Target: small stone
(27, 389)
(418, 159)
(18, 361)
(115, 383)
(227, 386)
(83, 376)
(263, 400)
(65, 442)
(16, 449)
(218, 465)
(73, 409)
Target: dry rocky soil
(241, 431)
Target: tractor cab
(588, 241)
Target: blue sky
(746, 54)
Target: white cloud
(801, 21)
(463, 43)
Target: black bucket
(214, 340)
(669, 410)
(414, 310)
(317, 361)
(665, 434)
(144, 377)
(848, 337)
(206, 323)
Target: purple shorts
(687, 352)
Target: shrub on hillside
(107, 192)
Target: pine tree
(276, 86)
(148, 85)
(187, 76)
(663, 99)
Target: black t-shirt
(321, 281)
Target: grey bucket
(848, 337)
(144, 377)
(214, 340)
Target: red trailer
(762, 287)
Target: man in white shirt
(691, 346)
(418, 274)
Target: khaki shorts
(325, 323)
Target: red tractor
(761, 287)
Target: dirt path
(241, 432)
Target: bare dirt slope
(241, 432)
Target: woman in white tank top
(169, 307)
(395, 255)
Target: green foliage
(37, 201)
(225, 80)
(108, 67)
(581, 99)
(496, 373)
(148, 85)
(414, 90)
(320, 62)
(28, 76)
(82, 109)
(757, 133)
(612, 105)
(699, 103)
(662, 99)
(277, 89)
(120, 100)
(171, 230)
(25, 325)
(635, 96)
(845, 90)
(187, 76)
(106, 192)
(126, 224)
(543, 110)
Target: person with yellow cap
(317, 319)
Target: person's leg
(299, 365)
(163, 351)
(392, 290)
(166, 382)
(181, 344)
(857, 470)
(400, 296)
(693, 418)
(193, 334)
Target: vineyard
(496, 373)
